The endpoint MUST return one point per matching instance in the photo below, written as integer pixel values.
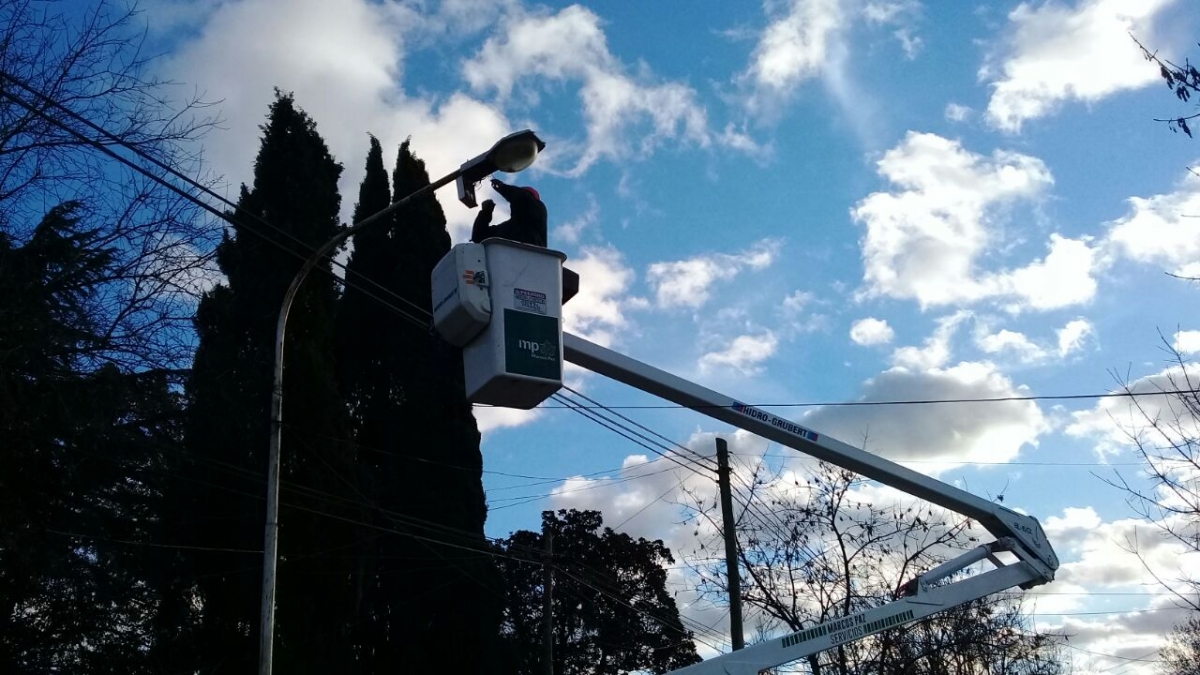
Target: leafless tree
(76, 89)
(814, 546)
(1163, 426)
(1183, 81)
(1181, 656)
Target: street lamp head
(515, 152)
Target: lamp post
(515, 152)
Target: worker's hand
(496, 183)
(488, 205)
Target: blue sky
(799, 201)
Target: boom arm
(1017, 533)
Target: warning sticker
(529, 301)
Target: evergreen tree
(428, 599)
(295, 192)
(84, 449)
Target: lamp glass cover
(515, 155)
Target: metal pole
(266, 634)
(548, 594)
(731, 560)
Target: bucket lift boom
(1015, 533)
(502, 302)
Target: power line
(1146, 610)
(924, 401)
(704, 460)
(625, 431)
(153, 544)
(593, 485)
(116, 140)
(590, 412)
(649, 504)
(1115, 656)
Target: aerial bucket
(501, 301)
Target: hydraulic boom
(1015, 533)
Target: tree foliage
(295, 190)
(433, 595)
(81, 547)
(611, 610)
(813, 546)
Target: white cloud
(1068, 339)
(1112, 553)
(810, 39)
(344, 62)
(1011, 341)
(492, 418)
(1061, 279)
(1072, 335)
(1115, 423)
(956, 112)
(1186, 341)
(1163, 229)
(571, 46)
(797, 301)
(799, 314)
(925, 239)
(744, 354)
(871, 331)
(571, 231)
(1056, 53)
(598, 312)
(686, 283)
(793, 46)
(945, 434)
(936, 350)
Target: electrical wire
(707, 462)
(650, 503)
(923, 401)
(631, 435)
(593, 485)
(580, 408)
(116, 140)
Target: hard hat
(534, 193)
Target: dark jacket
(527, 224)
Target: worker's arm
(480, 230)
(512, 193)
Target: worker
(527, 222)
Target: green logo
(531, 345)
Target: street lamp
(513, 153)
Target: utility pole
(731, 559)
(548, 591)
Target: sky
(799, 201)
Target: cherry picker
(502, 302)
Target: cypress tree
(430, 599)
(295, 192)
